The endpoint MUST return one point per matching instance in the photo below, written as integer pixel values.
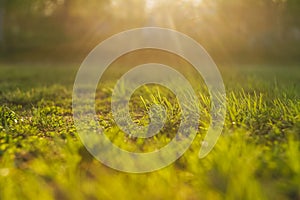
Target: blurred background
(247, 31)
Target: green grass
(257, 156)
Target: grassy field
(257, 156)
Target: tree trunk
(1, 24)
(2, 29)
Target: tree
(2, 24)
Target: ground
(256, 157)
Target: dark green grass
(257, 156)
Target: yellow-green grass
(256, 157)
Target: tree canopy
(222, 26)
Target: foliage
(63, 28)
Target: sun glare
(150, 4)
(194, 2)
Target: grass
(257, 156)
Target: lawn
(256, 157)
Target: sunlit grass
(257, 156)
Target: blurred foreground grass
(257, 156)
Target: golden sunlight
(194, 2)
(150, 4)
